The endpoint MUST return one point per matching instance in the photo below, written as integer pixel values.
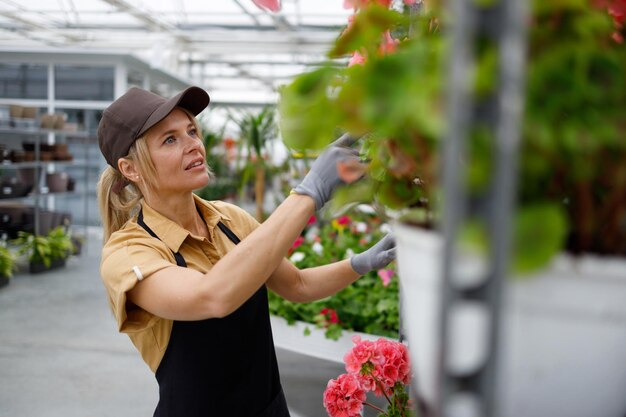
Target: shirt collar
(170, 232)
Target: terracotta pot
(57, 181)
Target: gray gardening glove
(376, 257)
(320, 182)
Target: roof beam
(30, 24)
(151, 22)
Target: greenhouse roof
(238, 52)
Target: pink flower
(409, 2)
(372, 366)
(357, 4)
(271, 5)
(344, 396)
(357, 59)
(311, 220)
(389, 44)
(359, 355)
(385, 276)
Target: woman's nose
(193, 143)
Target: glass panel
(83, 83)
(81, 119)
(23, 81)
(135, 79)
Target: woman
(187, 278)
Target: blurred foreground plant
(572, 187)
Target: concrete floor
(61, 356)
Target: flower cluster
(370, 304)
(380, 366)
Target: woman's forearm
(244, 269)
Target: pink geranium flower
(344, 396)
(271, 5)
(389, 44)
(385, 276)
(380, 366)
(357, 59)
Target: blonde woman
(187, 278)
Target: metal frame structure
(224, 46)
(474, 392)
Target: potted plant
(256, 133)
(568, 226)
(7, 263)
(45, 252)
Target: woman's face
(178, 154)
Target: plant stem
(374, 407)
(380, 385)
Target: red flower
(311, 220)
(344, 220)
(330, 316)
(298, 242)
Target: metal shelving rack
(475, 392)
(38, 134)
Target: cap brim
(194, 99)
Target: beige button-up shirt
(131, 254)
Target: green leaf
(539, 234)
(307, 118)
(366, 30)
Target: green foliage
(366, 305)
(44, 249)
(572, 176)
(60, 243)
(257, 130)
(7, 260)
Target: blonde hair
(117, 208)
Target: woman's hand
(376, 257)
(338, 164)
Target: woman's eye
(193, 132)
(169, 139)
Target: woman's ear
(128, 169)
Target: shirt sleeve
(126, 261)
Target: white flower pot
(292, 337)
(563, 340)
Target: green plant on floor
(572, 176)
(44, 249)
(369, 305)
(60, 243)
(35, 247)
(7, 260)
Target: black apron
(222, 367)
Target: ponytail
(115, 209)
